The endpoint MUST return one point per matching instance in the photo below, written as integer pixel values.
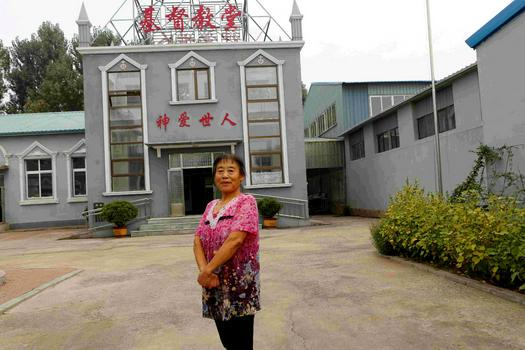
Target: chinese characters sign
(193, 22)
(185, 121)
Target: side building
(42, 170)
(480, 104)
(330, 110)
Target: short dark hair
(230, 157)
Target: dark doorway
(198, 190)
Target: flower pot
(270, 223)
(120, 232)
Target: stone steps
(168, 226)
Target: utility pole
(439, 179)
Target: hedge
(483, 241)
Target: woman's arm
(198, 251)
(225, 252)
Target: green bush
(268, 207)
(380, 243)
(119, 213)
(485, 242)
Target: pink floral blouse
(238, 292)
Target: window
(193, 84)
(379, 104)
(125, 132)
(193, 80)
(388, 140)
(357, 150)
(39, 178)
(264, 125)
(79, 176)
(326, 120)
(446, 121)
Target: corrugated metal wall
(396, 88)
(324, 154)
(355, 99)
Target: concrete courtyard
(323, 287)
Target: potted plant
(119, 213)
(268, 208)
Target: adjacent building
(482, 103)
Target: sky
(346, 40)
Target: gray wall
(373, 179)
(502, 77)
(158, 88)
(40, 215)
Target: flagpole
(439, 180)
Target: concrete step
(144, 233)
(185, 226)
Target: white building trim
(79, 149)
(105, 114)
(282, 116)
(4, 154)
(195, 46)
(173, 69)
(36, 151)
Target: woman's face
(228, 176)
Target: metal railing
(292, 207)
(143, 205)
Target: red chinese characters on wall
(163, 121)
(184, 120)
(203, 18)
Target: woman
(226, 249)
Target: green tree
(4, 68)
(101, 37)
(61, 89)
(30, 60)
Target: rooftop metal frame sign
(140, 22)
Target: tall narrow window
(126, 133)
(264, 125)
(39, 178)
(79, 176)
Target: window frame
(259, 58)
(38, 172)
(120, 64)
(392, 98)
(392, 135)
(209, 67)
(37, 151)
(442, 115)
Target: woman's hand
(208, 279)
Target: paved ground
(324, 287)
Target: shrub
(380, 243)
(486, 242)
(119, 213)
(268, 207)
(347, 210)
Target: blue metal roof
(506, 15)
(42, 123)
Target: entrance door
(198, 189)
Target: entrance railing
(143, 205)
(292, 207)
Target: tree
(101, 37)
(4, 68)
(30, 60)
(61, 89)
(304, 91)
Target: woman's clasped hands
(208, 279)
